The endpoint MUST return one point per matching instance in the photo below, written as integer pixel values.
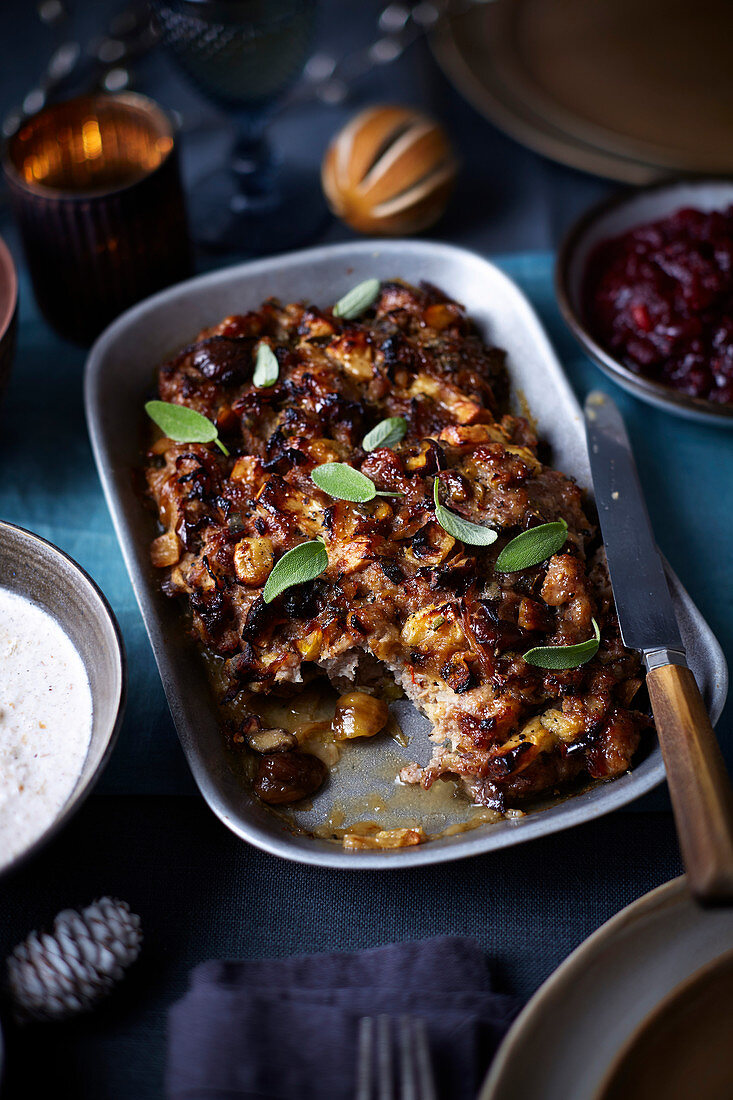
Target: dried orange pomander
(389, 171)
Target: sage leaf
(473, 534)
(357, 300)
(532, 547)
(267, 367)
(303, 563)
(343, 482)
(183, 425)
(564, 656)
(386, 433)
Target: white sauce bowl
(43, 574)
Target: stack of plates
(633, 91)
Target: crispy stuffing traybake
(401, 600)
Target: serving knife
(702, 798)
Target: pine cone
(58, 974)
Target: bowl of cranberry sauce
(645, 282)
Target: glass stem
(253, 164)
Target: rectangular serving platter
(119, 378)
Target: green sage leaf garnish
(532, 547)
(267, 367)
(386, 433)
(357, 300)
(302, 563)
(473, 534)
(564, 656)
(343, 482)
(183, 425)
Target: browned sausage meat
(400, 593)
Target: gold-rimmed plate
(683, 1048)
(573, 1035)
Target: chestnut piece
(359, 715)
(222, 359)
(288, 776)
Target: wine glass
(243, 54)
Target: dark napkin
(288, 1028)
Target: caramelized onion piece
(385, 838)
(272, 740)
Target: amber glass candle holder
(96, 192)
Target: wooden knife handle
(699, 787)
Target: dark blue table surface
(146, 836)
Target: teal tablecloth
(202, 893)
(48, 483)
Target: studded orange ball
(389, 171)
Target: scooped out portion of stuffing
(405, 595)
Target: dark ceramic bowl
(610, 219)
(32, 567)
(8, 314)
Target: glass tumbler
(96, 192)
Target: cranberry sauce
(660, 299)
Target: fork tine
(384, 1059)
(408, 1069)
(364, 1062)
(425, 1076)
(376, 1062)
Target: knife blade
(643, 601)
(702, 798)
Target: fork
(382, 1075)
